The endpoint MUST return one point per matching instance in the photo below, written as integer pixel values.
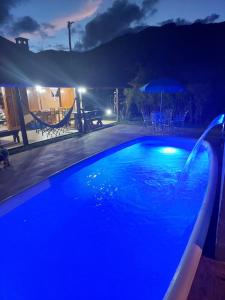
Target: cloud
(14, 27)
(148, 6)
(88, 10)
(47, 26)
(5, 7)
(24, 25)
(110, 23)
(32, 29)
(116, 20)
(60, 47)
(77, 28)
(47, 30)
(168, 21)
(177, 21)
(209, 19)
(49, 46)
(29, 28)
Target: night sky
(44, 22)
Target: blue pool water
(112, 227)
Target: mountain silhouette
(189, 53)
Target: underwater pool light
(168, 150)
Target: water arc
(219, 120)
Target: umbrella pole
(161, 103)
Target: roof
(21, 38)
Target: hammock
(53, 128)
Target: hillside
(190, 53)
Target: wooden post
(117, 104)
(69, 24)
(21, 117)
(60, 97)
(11, 109)
(79, 120)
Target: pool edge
(182, 280)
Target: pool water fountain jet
(219, 120)
(184, 174)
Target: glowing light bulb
(168, 150)
(108, 112)
(39, 89)
(82, 90)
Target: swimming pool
(119, 225)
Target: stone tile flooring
(209, 282)
(34, 136)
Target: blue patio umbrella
(160, 86)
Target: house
(27, 87)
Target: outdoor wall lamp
(82, 90)
(108, 112)
(39, 89)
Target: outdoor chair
(2, 118)
(62, 112)
(168, 119)
(179, 119)
(51, 116)
(156, 120)
(38, 126)
(92, 119)
(14, 133)
(162, 120)
(146, 116)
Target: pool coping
(182, 280)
